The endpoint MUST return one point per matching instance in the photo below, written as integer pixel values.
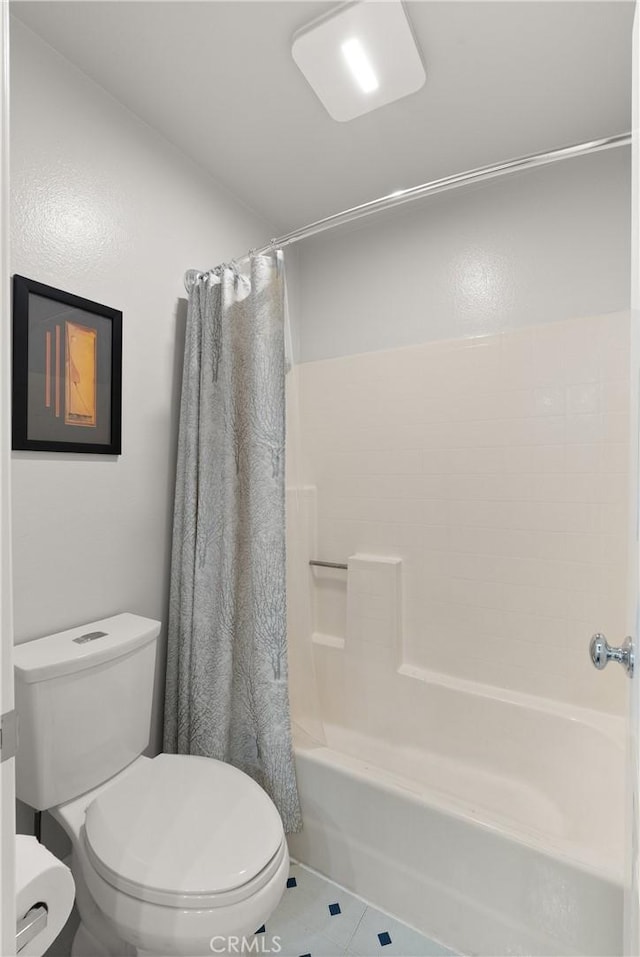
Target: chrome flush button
(90, 636)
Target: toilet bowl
(171, 855)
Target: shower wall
(463, 406)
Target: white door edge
(7, 767)
(632, 886)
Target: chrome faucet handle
(602, 653)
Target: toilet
(170, 855)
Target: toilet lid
(182, 827)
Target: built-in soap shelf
(329, 601)
(361, 607)
(329, 641)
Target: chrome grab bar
(329, 564)
(29, 926)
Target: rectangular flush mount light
(359, 56)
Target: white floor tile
(305, 925)
(380, 934)
(309, 881)
(289, 935)
(327, 910)
(293, 904)
(316, 945)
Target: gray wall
(105, 208)
(530, 248)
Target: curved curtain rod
(401, 196)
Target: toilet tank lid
(83, 647)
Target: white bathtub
(492, 822)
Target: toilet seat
(185, 832)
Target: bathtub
(491, 821)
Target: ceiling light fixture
(360, 65)
(367, 41)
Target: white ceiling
(217, 78)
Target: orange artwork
(47, 370)
(57, 372)
(80, 375)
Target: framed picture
(67, 371)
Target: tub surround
(474, 729)
(496, 470)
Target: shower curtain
(226, 687)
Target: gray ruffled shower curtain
(226, 690)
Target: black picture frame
(67, 371)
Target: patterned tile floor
(317, 918)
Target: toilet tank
(83, 699)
